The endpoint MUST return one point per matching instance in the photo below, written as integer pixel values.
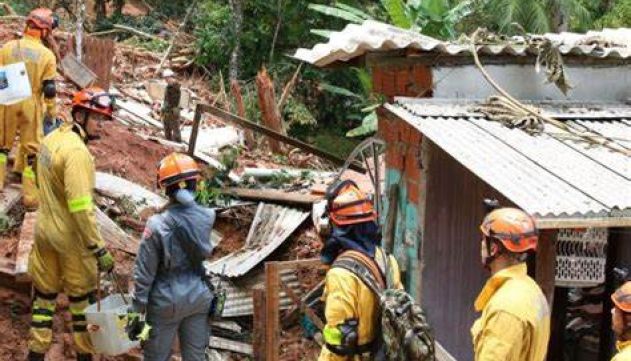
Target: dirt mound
(121, 152)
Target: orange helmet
(513, 227)
(43, 19)
(94, 99)
(347, 205)
(622, 297)
(175, 168)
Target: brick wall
(402, 80)
(403, 152)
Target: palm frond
(321, 32)
(355, 11)
(397, 12)
(336, 12)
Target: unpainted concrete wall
(603, 84)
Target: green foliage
(341, 11)
(209, 188)
(6, 223)
(297, 112)
(618, 16)
(215, 36)
(398, 12)
(22, 7)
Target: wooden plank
(226, 116)
(99, 57)
(192, 141)
(9, 198)
(230, 345)
(113, 235)
(118, 188)
(391, 218)
(259, 323)
(300, 263)
(273, 196)
(27, 237)
(272, 311)
(546, 263)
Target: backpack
(405, 334)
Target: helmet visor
(103, 100)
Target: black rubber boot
(34, 356)
(84, 357)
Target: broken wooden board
(119, 188)
(230, 345)
(27, 237)
(113, 235)
(274, 196)
(9, 198)
(272, 225)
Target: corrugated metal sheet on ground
(272, 225)
(544, 175)
(373, 36)
(239, 293)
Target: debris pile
(264, 236)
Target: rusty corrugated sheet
(272, 225)
(373, 36)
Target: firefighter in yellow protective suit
(621, 321)
(27, 117)
(68, 250)
(351, 308)
(515, 321)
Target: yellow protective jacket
(347, 297)
(65, 174)
(624, 351)
(27, 116)
(515, 321)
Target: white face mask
(184, 196)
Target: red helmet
(513, 227)
(43, 19)
(175, 168)
(347, 205)
(622, 297)
(95, 100)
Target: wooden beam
(273, 196)
(222, 114)
(272, 311)
(113, 235)
(546, 263)
(27, 237)
(259, 323)
(197, 119)
(300, 263)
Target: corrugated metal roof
(544, 175)
(272, 225)
(239, 293)
(373, 36)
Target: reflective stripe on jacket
(515, 321)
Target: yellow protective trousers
(25, 118)
(54, 270)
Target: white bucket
(110, 339)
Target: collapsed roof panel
(272, 225)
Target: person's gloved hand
(137, 328)
(104, 259)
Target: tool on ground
(219, 297)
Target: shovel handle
(98, 291)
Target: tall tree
(237, 23)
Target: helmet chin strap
(490, 257)
(82, 129)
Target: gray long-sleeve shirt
(167, 283)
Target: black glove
(137, 328)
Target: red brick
(422, 81)
(402, 81)
(415, 137)
(377, 80)
(413, 191)
(389, 83)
